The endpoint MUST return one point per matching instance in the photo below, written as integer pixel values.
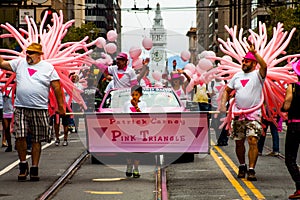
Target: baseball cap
(250, 56)
(122, 55)
(177, 76)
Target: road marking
(229, 176)
(249, 184)
(104, 192)
(15, 163)
(107, 179)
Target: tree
(290, 17)
(78, 33)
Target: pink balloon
(147, 43)
(191, 67)
(135, 52)
(111, 48)
(111, 35)
(156, 75)
(226, 57)
(203, 54)
(211, 53)
(199, 70)
(101, 42)
(185, 55)
(137, 63)
(205, 64)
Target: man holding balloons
(247, 85)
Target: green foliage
(76, 34)
(290, 17)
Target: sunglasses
(246, 60)
(30, 52)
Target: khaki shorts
(245, 128)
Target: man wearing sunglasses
(247, 85)
(34, 77)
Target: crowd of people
(28, 118)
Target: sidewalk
(54, 161)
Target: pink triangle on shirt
(31, 71)
(120, 75)
(244, 82)
(219, 87)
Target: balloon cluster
(65, 57)
(109, 47)
(136, 51)
(203, 72)
(272, 52)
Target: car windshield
(154, 97)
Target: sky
(178, 17)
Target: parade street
(210, 176)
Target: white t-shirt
(214, 88)
(122, 79)
(248, 89)
(33, 83)
(128, 107)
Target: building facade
(213, 15)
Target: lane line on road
(230, 177)
(249, 184)
(104, 192)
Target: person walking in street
(275, 138)
(248, 86)
(55, 122)
(214, 91)
(292, 139)
(7, 116)
(34, 77)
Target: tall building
(103, 13)
(213, 15)
(159, 39)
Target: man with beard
(247, 85)
(34, 77)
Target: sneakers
(136, 173)
(296, 195)
(274, 154)
(65, 143)
(259, 153)
(242, 171)
(28, 151)
(24, 171)
(9, 148)
(129, 171)
(251, 175)
(57, 141)
(34, 174)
